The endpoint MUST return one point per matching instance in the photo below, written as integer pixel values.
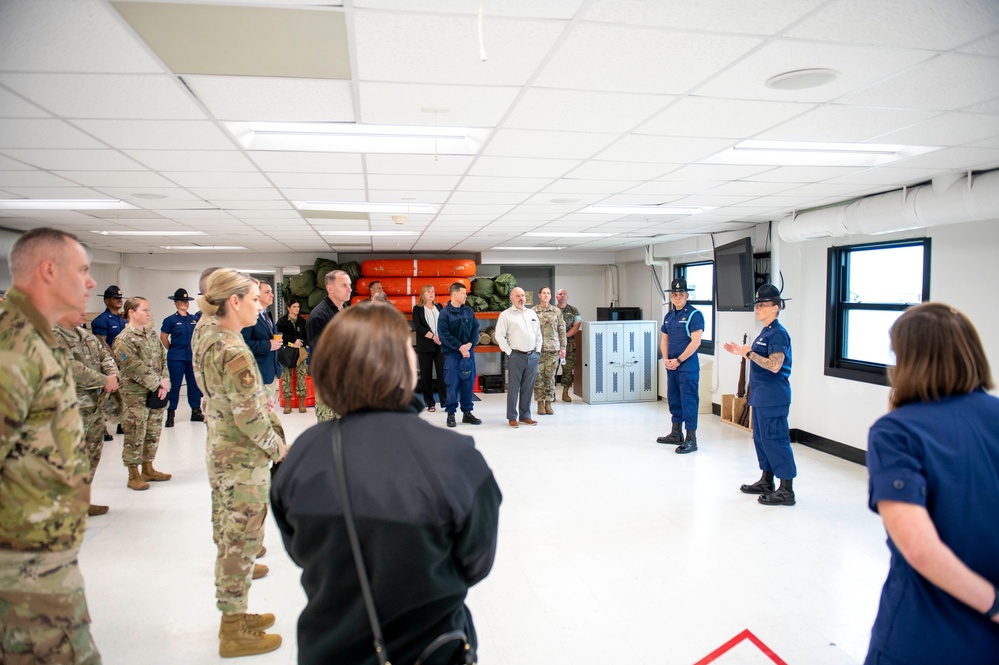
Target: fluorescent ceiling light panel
(645, 209)
(365, 206)
(150, 233)
(569, 234)
(805, 153)
(350, 137)
(201, 247)
(65, 204)
(528, 249)
(370, 233)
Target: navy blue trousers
(458, 390)
(180, 370)
(683, 397)
(772, 439)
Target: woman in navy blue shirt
(934, 479)
(770, 397)
(175, 333)
(682, 329)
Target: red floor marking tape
(744, 635)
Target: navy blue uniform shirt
(678, 324)
(765, 387)
(180, 329)
(107, 325)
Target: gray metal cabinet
(619, 360)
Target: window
(869, 287)
(701, 287)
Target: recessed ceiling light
(64, 204)
(350, 137)
(569, 234)
(645, 209)
(150, 233)
(365, 206)
(369, 233)
(808, 153)
(801, 79)
(202, 247)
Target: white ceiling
(583, 101)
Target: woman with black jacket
(293, 335)
(428, 346)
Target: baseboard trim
(834, 448)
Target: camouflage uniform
(569, 315)
(142, 363)
(44, 496)
(91, 363)
(243, 438)
(553, 334)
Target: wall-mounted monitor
(734, 283)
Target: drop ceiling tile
(149, 196)
(12, 106)
(192, 160)
(626, 170)
(583, 110)
(557, 145)
(564, 9)
(763, 17)
(987, 143)
(504, 198)
(252, 98)
(715, 172)
(157, 134)
(663, 149)
(419, 164)
(748, 188)
(238, 193)
(926, 24)
(31, 133)
(951, 129)
(885, 175)
(75, 160)
(54, 193)
(117, 179)
(514, 48)
(268, 215)
(150, 97)
(470, 209)
(859, 66)
(986, 46)
(474, 183)
(408, 196)
(801, 174)
(588, 187)
(34, 179)
(306, 162)
(839, 123)
(671, 188)
(991, 106)
(721, 118)
(615, 57)
(412, 182)
(8, 164)
(412, 104)
(216, 179)
(952, 158)
(825, 190)
(564, 203)
(318, 180)
(324, 194)
(235, 207)
(530, 168)
(68, 35)
(180, 208)
(947, 82)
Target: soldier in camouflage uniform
(573, 321)
(552, 350)
(44, 491)
(96, 376)
(243, 438)
(142, 366)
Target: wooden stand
(731, 411)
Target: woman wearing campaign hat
(175, 333)
(682, 329)
(770, 397)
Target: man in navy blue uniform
(770, 397)
(682, 329)
(175, 333)
(459, 333)
(260, 338)
(108, 324)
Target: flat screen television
(734, 282)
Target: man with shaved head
(44, 467)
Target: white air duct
(971, 198)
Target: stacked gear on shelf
(402, 279)
(308, 288)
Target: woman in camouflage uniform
(142, 368)
(243, 438)
(553, 350)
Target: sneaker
(467, 417)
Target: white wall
(156, 286)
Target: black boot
(675, 437)
(784, 496)
(169, 421)
(108, 437)
(765, 485)
(689, 444)
(467, 417)
(197, 416)
(451, 421)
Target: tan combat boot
(253, 621)
(135, 481)
(548, 408)
(565, 394)
(149, 473)
(237, 639)
(287, 409)
(263, 551)
(541, 408)
(260, 570)
(301, 405)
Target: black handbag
(467, 654)
(288, 356)
(153, 401)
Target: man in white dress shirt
(518, 333)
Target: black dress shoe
(782, 497)
(688, 447)
(451, 421)
(108, 437)
(467, 417)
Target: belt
(526, 353)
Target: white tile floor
(612, 550)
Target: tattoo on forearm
(772, 363)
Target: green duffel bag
(483, 287)
(324, 266)
(504, 283)
(352, 268)
(316, 297)
(303, 283)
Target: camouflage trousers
(239, 508)
(43, 610)
(544, 385)
(142, 429)
(570, 362)
(323, 412)
(93, 427)
(298, 374)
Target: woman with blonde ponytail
(243, 439)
